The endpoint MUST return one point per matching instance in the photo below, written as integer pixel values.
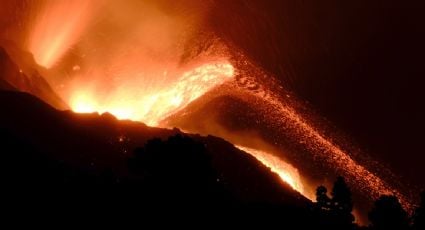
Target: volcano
(214, 104)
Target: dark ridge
(86, 156)
(23, 75)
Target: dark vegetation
(387, 213)
(176, 175)
(173, 178)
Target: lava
(288, 173)
(154, 105)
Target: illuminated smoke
(56, 27)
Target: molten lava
(150, 106)
(286, 172)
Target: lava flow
(286, 172)
(152, 106)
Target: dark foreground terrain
(95, 162)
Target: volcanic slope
(19, 72)
(90, 146)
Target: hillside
(18, 71)
(59, 149)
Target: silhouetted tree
(342, 205)
(334, 212)
(321, 208)
(419, 215)
(388, 213)
(175, 170)
(323, 202)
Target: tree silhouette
(322, 207)
(388, 213)
(175, 170)
(334, 212)
(323, 202)
(342, 205)
(419, 215)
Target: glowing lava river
(141, 76)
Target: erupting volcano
(163, 66)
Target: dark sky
(358, 63)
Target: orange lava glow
(151, 106)
(286, 172)
(56, 27)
